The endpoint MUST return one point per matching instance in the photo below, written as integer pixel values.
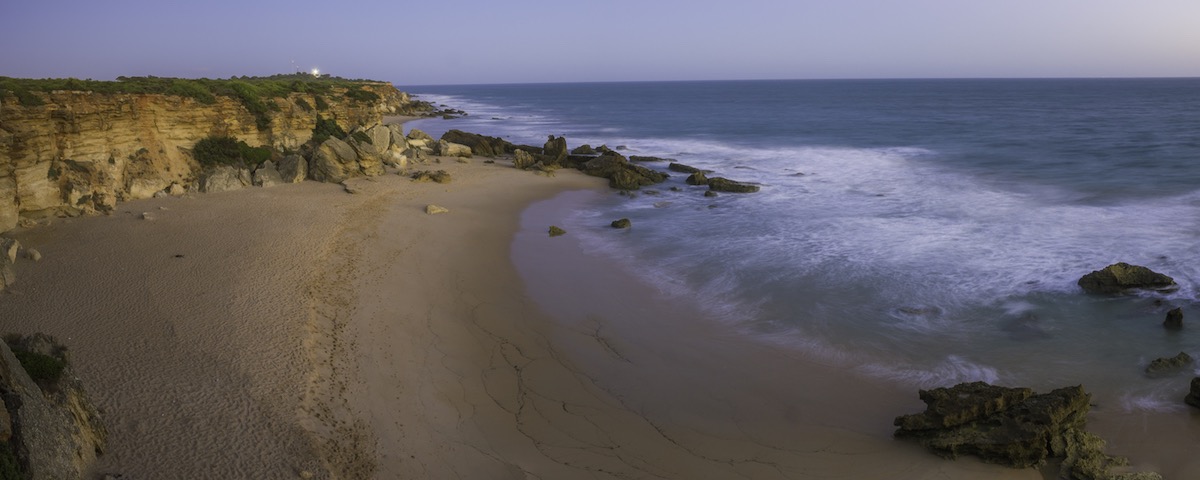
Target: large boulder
(523, 159)
(697, 178)
(334, 161)
(721, 184)
(292, 169)
(399, 142)
(381, 137)
(223, 178)
(480, 144)
(1010, 426)
(555, 150)
(58, 432)
(370, 157)
(450, 149)
(267, 175)
(1122, 277)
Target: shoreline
(373, 340)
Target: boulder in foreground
(1014, 427)
(1121, 277)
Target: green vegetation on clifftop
(253, 92)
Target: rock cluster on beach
(48, 427)
(1014, 427)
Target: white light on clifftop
(316, 72)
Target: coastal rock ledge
(1016, 428)
(1121, 277)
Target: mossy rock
(622, 223)
(556, 231)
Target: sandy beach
(304, 332)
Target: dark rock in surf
(1121, 277)
(643, 158)
(681, 168)
(697, 178)
(1174, 320)
(1170, 365)
(480, 144)
(721, 184)
(556, 231)
(621, 174)
(1193, 396)
(710, 193)
(622, 223)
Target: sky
(436, 42)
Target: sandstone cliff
(81, 152)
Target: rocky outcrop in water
(1013, 427)
(622, 223)
(721, 184)
(48, 426)
(1174, 320)
(481, 145)
(1170, 365)
(621, 174)
(1193, 396)
(81, 152)
(1122, 277)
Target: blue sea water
(925, 231)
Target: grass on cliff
(255, 93)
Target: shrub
(253, 156)
(360, 95)
(362, 137)
(326, 128)
(41, 368)
(191, 89)
(229, 151)
(217, 151)
(303, 104)
(321, 105)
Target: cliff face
(81, 152)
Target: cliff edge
(72, 152)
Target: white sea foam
(952, 370)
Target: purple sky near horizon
(520, 41)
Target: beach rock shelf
(1014, 427)
(1122, 277)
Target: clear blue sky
(512, 41)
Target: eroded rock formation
(1014, 427)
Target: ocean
(926, 232)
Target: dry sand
(276, 333)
